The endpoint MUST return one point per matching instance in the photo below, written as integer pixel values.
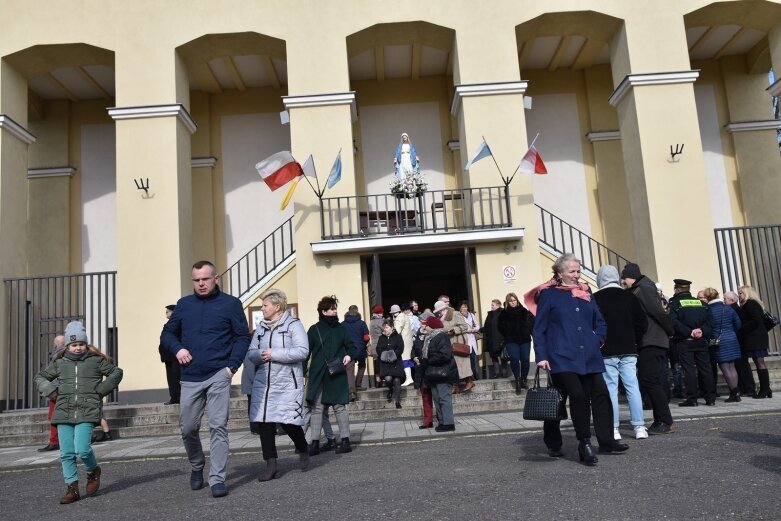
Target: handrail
(269, 254)
(559, 237)
(432, 211)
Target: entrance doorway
(422, 277)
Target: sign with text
(509, 273)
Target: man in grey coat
(652, 354)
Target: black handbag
(505, 356)
(335, 367)
(388, 356)
(437, 373)
(770, 320)
(543, 403)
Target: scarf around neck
(531, 297)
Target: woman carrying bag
(390, 348)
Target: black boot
(270, 472)
(764, 384)
(586, 453)
(492, 371)
(504, 371)
(314, 448)
(733, 396)
(344, 447)
(518, 387)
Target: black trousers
(649, 361)
(172, 375)
(695, 362)
(584, 392)
(268, 443)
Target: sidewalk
(369, 433)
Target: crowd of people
(626, 335)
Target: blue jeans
(75, 440)
(519, 358)
(624, 367)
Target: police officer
(692, 323)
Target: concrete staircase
(32, 428)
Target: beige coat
(456, 328)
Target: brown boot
(93, 481)
(72, 494)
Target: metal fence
(751, 256)
(558, 237)
(244, 274)
(39, 307)
(433, 211)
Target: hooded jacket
(626, 321)
(659, 325)
(278, 385)
(81, 387)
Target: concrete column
(654, 97)
(14, 148)
(321, 125)
(154, 230)
(755, 139)
(495, 110)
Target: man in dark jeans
(652, 354)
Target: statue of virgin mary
(406, 160)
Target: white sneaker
(616, 434)
(640, 433)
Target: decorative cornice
(652, 78)
(322, 100)
(604, 135)
(16, 130)
(59, 171)
(748, 126)
(203, 162)
(775, 88)
(454, 145)
(485, 89)
(155, 111)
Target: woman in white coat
(278, 349)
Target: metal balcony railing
(433, 211)
(559, 237)
(245, 274)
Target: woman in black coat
(492, 340)
(515, 324)
(390, 346)
(754, 340)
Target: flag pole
(504, 180)
(310, 184)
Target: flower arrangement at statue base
(413, 185)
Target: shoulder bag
(715, 342)
(437, 373)
(460, 349)
(335, 366)
(543, 403)
(388, 356)
(770, 320)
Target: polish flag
(279, 169)
(532, 162)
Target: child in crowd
(85, 376)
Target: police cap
(682, 283)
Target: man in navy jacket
(208, 336)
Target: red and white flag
(279, 169)
(532, 162)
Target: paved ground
(724, 467)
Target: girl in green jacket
(84, 376)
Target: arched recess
(236, 82)
(402, 74)
(566, 59)
(730, 44)
(72, 164)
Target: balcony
(445, 217)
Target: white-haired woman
(278, 349)
(568, 333)
(754, 339)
